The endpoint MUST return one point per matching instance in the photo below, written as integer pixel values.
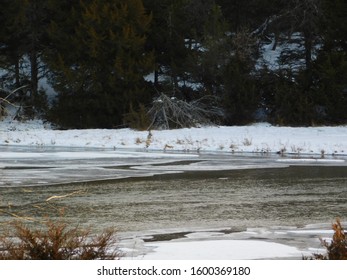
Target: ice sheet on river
(255, 243)
(25, 166)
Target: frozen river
(34, 166)
(166, 196)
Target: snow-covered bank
(257, 138)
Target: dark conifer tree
(11, 51)
(99, 62)
(330, 67)
(24, 40)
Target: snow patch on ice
(220, 250)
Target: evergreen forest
(174, 63)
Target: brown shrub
(56, 242)
(337, 248)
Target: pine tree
(167, 39)
(334, 25)
(210, 51)
(100, 62)
(24, 40)
(10, 51)
(330, 67)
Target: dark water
(294, 196)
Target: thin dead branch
(63, 196)
(6, 98)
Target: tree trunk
(34, 75)
(17, 74)
(33, 52)
(156, 78)
(308, 49)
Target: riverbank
(257, 138)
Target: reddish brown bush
(56, 242)
(337, 248)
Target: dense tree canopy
(284, 62)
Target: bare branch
(9, 93)
(169, 112)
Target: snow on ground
(256, 138)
